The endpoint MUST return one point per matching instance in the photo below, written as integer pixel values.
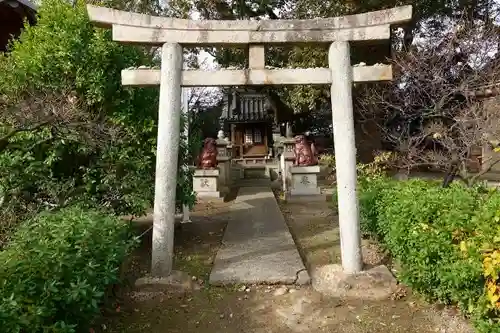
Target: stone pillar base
(206, 183)
(375, 284)
(177, 281)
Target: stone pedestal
(304, 185)
(305, 180)
(206, 183)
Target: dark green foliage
(185, 193)
(69, 131)
(57, 268)
(439, 236)
(94, 140)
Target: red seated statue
(305, 153)
(208, 155)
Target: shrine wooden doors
(250, 140)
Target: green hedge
(56, 270)
(446, 239)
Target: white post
(166, 160)
(284, 172)
(345, 151)
(185, 109)
(185, 214)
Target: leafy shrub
(446, 239)
(69, 131)
(365, 172)
(56, 269)
(327, 160)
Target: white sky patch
(206, 62)
(205, 59)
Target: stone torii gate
(172, 34)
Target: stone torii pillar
(339, 61)
(172, 33)
(166, 159)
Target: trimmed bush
(57, 268)
(447, 241)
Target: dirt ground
(263, 309)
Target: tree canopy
(429, 16)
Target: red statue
(208, 155)
(305, 153)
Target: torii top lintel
(154, 30)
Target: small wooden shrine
(251, 121)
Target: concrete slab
(257, 246)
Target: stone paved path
(257, 246)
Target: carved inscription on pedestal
(204, 183)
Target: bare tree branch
(431, 114)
